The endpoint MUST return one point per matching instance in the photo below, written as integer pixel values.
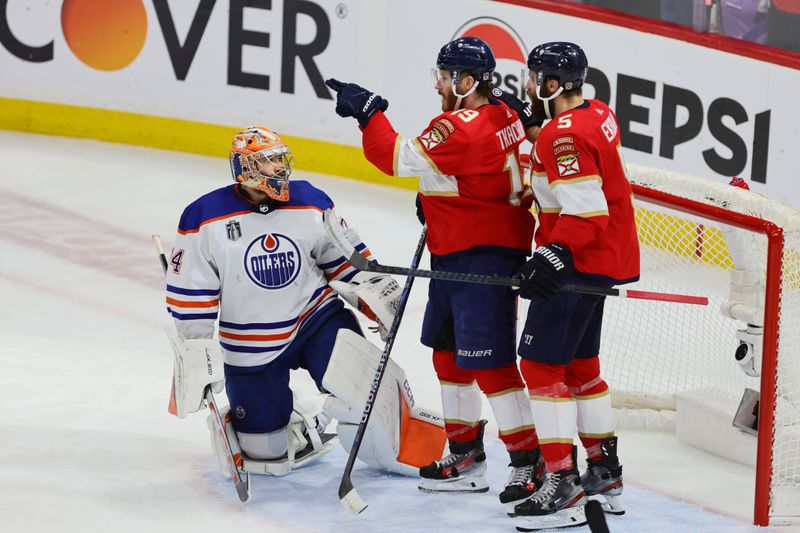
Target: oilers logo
(272, 261)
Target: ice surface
(86, 443)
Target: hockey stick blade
(360, 262)
(350, 498)
(596, 517)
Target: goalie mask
(261, 160)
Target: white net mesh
(653, 350)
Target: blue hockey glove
(523, 109)
(355, 101)
(420, 214)
(545, 272)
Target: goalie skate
(602, 480)
(462, 470)
(308, 442)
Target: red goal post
(653, 353)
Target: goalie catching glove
(198, 364)
(377, 297)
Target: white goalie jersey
(263, 270)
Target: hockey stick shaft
(347, 492)
(372, 266)
(240, 483)
(595, 517)
(362, 263)
(160, 250)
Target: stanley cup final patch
(568, 165)
(234, 230)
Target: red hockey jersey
(582, 192)
(470, 180)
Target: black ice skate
(526, 477)
(603, 478)
(558, 504)
(462, 470)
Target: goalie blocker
(197, 364)
(400, 437)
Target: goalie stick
(241, 479)
(347, 492)
(362, 263)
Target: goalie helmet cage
(652, 352)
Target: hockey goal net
(696, 236)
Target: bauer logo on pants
(272, 261)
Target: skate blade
(610, 504)
(569, 517)
(472, 484)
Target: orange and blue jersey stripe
(271, 336)
(192, 304)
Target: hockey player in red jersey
(586, 235)
(477, 211)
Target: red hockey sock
(553, 411)
(506, 393)
(591, 394)
(460, 399)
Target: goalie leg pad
(400, 437)
(422, 437)
(419, 441)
